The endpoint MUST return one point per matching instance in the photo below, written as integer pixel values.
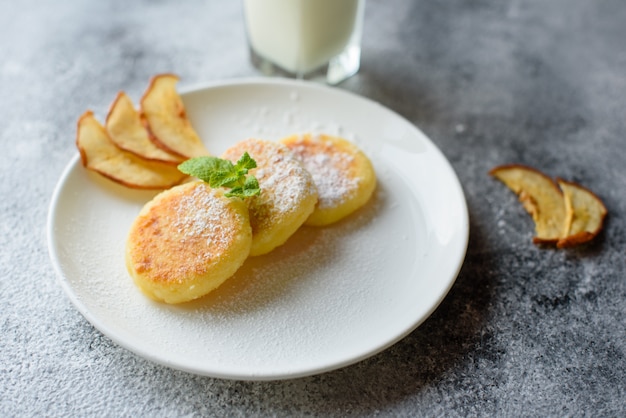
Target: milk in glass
(302, 36)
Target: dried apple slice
(541, 198)
(585, 213)
(165, 113)
(127, 131)
(98, 153)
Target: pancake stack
(191, 238)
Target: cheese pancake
(187, 241)
(288, 195)
(342, 173)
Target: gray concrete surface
(525, 331)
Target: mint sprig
(223, 173)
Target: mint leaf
(235, 192)
(200, 167)
(251, 186)
(222, 173)
(224, 179)
(245, 163)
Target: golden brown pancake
(187, 241)
(287, 198)
(343, 175)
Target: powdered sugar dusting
(180, 232)
(330, 169)
(203, 227)
(284, 182)
(283, 177)
(200, 214)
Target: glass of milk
(308, 39)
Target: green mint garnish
(223, 173)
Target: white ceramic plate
(328, 298)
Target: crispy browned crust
(186, 242)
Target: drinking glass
(306, 39)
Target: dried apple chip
(585, 213)
(98, 153)
(164, 111)
(126, 130)
(541, 198)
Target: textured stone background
(524, 331)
